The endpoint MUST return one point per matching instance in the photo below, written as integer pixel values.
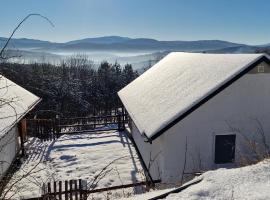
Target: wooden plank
(49, 188)
(60, 190)
(24, 129)
(54, 189)
(43, 189)
(80, 189)
(76, 190)
(70, 189)
(66, 189)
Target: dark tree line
(75, 88)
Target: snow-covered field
(79, 156)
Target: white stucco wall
(8, 149)
(151, 153)
(238, 106)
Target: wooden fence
(77, 190)
(81, 124)
(50, 129)
(45, 129)
(69, 190)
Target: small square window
(224, 149)
(260, 69)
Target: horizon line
(104, 36)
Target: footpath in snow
(78, 156)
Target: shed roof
(15, 102)
(179, 83)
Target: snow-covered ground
(245, 183)
(82, 156)
(148, 195)
(78, 156)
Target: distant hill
(26, 43)
(140, 52)
(101, 40)
(145, 44)
(117, 43)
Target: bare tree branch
(185, 161)
(103, 173)
(17, 27)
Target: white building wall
(151, 153)
(240, 106)
(8, 149)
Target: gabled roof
(15, 102)
(180, 83)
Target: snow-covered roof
(176, 84)
(15, 102)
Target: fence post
(54, 129)
(57, 124)
(37, 127)
(118, 120)
(121, 120)
(21, 134)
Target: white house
(193, 112)
(15, 103)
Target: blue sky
(245, 21)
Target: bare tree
(9, 102)
(254, 147)
(2, 51)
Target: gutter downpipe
(148, 140)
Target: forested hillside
(74, 88)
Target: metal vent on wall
(260, 69)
